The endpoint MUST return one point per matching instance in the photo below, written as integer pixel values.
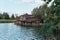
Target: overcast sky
(19, 6)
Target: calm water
(9, 31)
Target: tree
(5, 15)
(0, 16)
(47, 1)
(36, 12)
(12, 17)
(52, 20)
(40, 12)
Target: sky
(19, 6)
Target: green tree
(12, 17)
(40, 12)
(5, 15)
(50, 26)
(36, 12)
(0, 16)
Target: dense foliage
(12, 16)
(5, 15)
(51, 18)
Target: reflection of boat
(28, 20)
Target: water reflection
(9, 31)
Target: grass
(6, 21)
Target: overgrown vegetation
(51, 17)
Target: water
(10, 31)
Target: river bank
(6, 21)
(28, 24)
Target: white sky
(19, 6)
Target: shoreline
(28, 24)
(6, 21)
